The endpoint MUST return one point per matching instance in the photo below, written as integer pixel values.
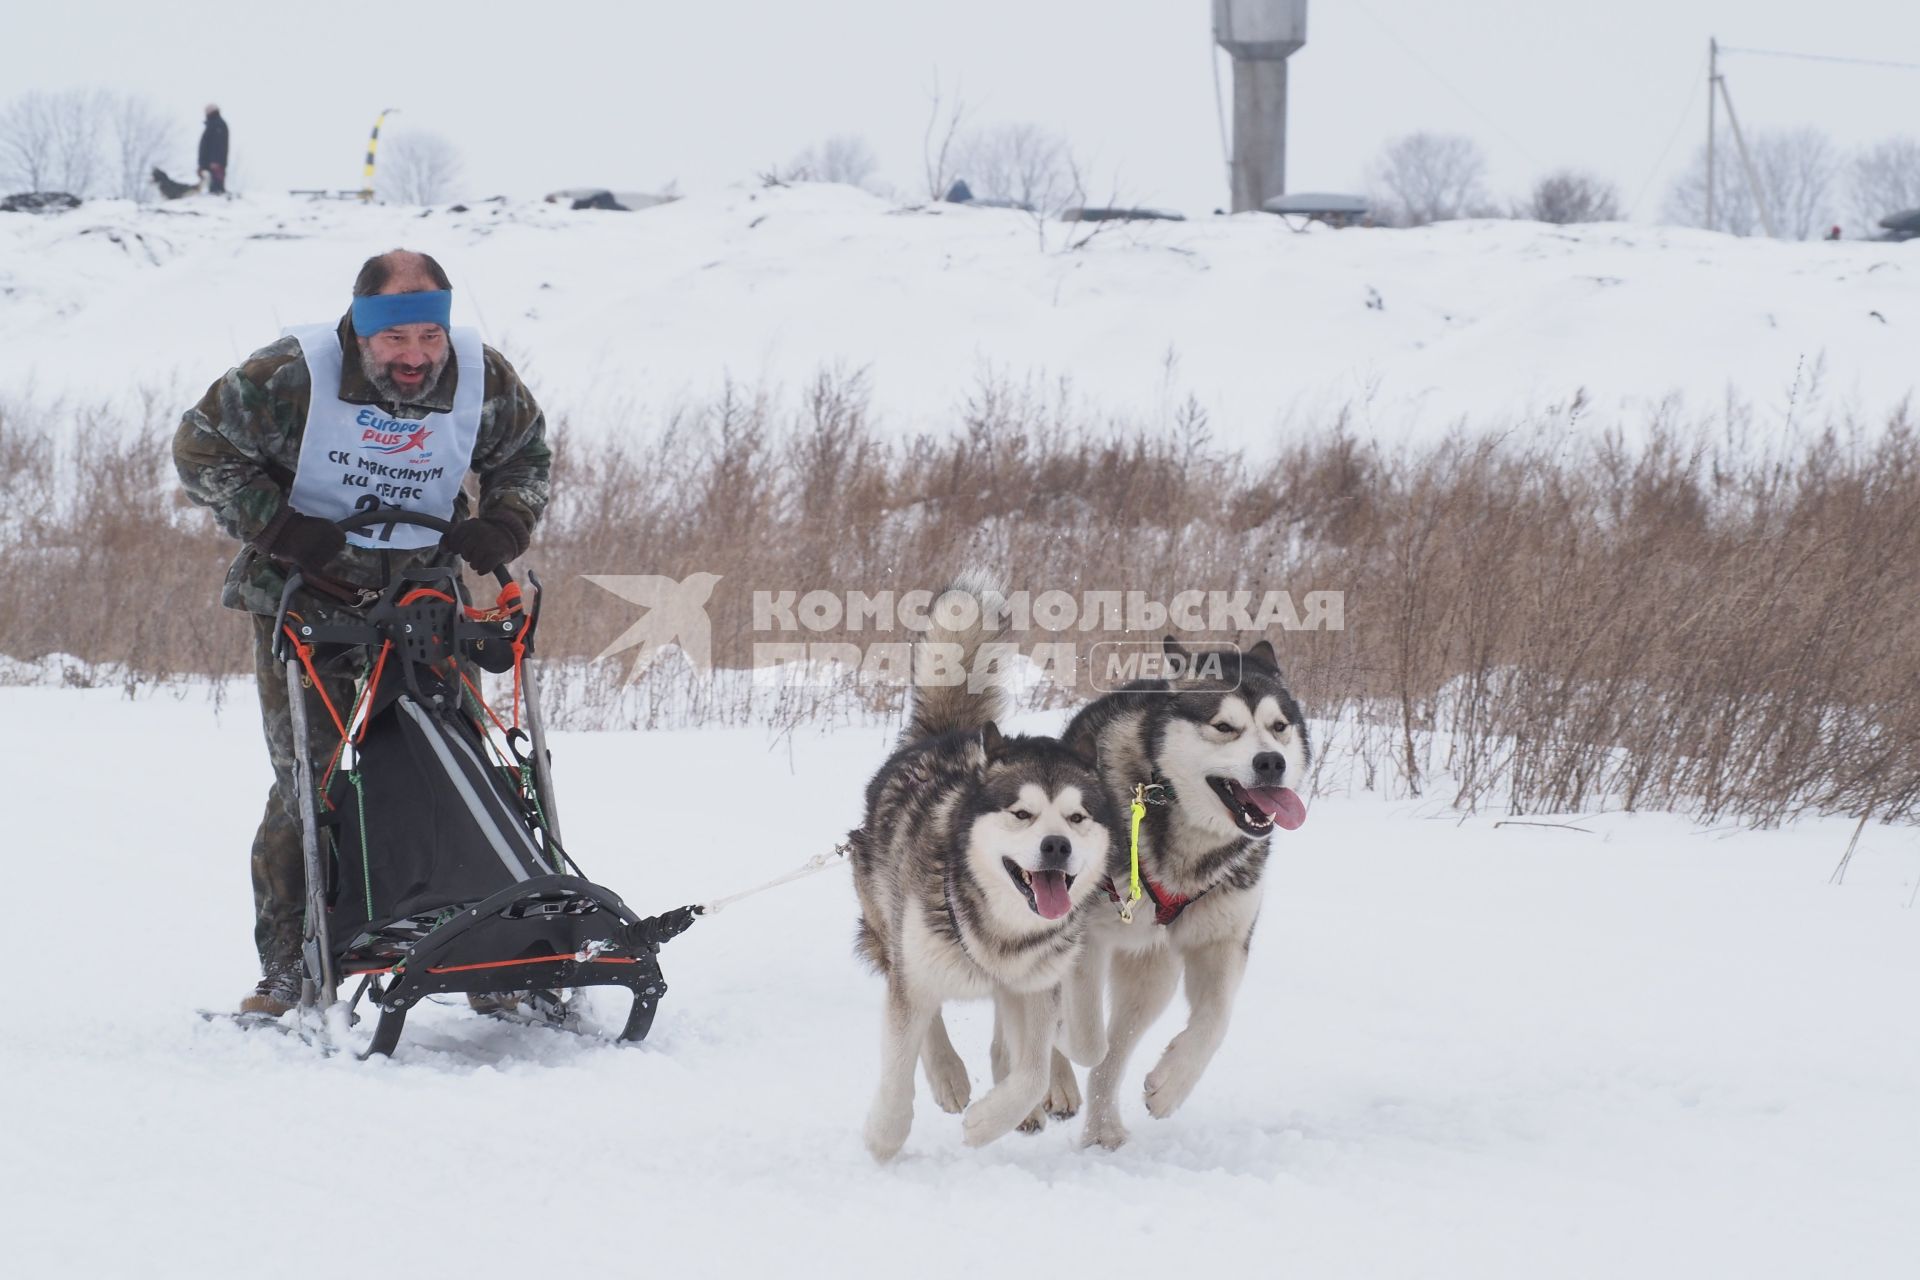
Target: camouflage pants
(279, 870)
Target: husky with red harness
(1207, 761)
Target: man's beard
(381, 376)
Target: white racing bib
(356, 458)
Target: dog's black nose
(1268, 766)
(1056, 847)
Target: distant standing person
(213, 152)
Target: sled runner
(431, 843)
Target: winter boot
(274, 995)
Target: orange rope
(475, 689)
(497, 964)
(373, 683)
(305, 652)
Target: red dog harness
(1166, 906)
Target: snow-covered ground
(1645, 1049)
(614, 315)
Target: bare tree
(936, 145)
(1430, 177)
(845, 158)
(1884, 179)
(1795, 170)
(139, 136)
(418, 168)
(1733, 208)
(1570, 195)
(48, 141)
(1799, 169)
(1029, 165)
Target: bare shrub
(49, 141)
(139, 137)
(944, 119)
(1883, 180)
(1430, 177)
(1796, 171)
(419, 168)
(844, 158)
(1026, 164)
(1568, 196)
(1695, 622)
(84, 142)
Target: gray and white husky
(1219, 749)
(976, 854)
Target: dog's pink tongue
(1281, 804)
(1050, 894)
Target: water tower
(1261, 35)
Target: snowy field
(1642, 1050)
(614, 317)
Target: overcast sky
(549, 93)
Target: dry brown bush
(1689, 622)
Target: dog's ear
(1173, 648)
(990, 740)
(1262, 652)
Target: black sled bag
(426, 823)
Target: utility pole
(1717, 86)
(1713, 85)
(1746, 163)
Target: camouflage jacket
(236, 451)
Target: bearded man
(390, 408)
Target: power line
(1220, 110)
(1445, 83)
(1824, 57)
(1686, 113)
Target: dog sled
(431, 841)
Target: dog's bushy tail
(948, 693)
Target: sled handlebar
(388, 515)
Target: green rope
(326, 782)
(560, 858)
(366, 871)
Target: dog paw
(887, 1132)
(950, 1086)
(1063, 1096)
(1170, 1084)
(1036, 1121)
(1103, 1131)
(983, 1123)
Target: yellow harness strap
(1133, 874)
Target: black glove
(489, 541)
(306, 542)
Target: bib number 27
(369, 502)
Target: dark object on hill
(1095, 214)
(212, 163)
(39, 202)
(170, 189)
(602, 198)
(1334, 210)
(1902, 226)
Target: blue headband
(385, 310)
